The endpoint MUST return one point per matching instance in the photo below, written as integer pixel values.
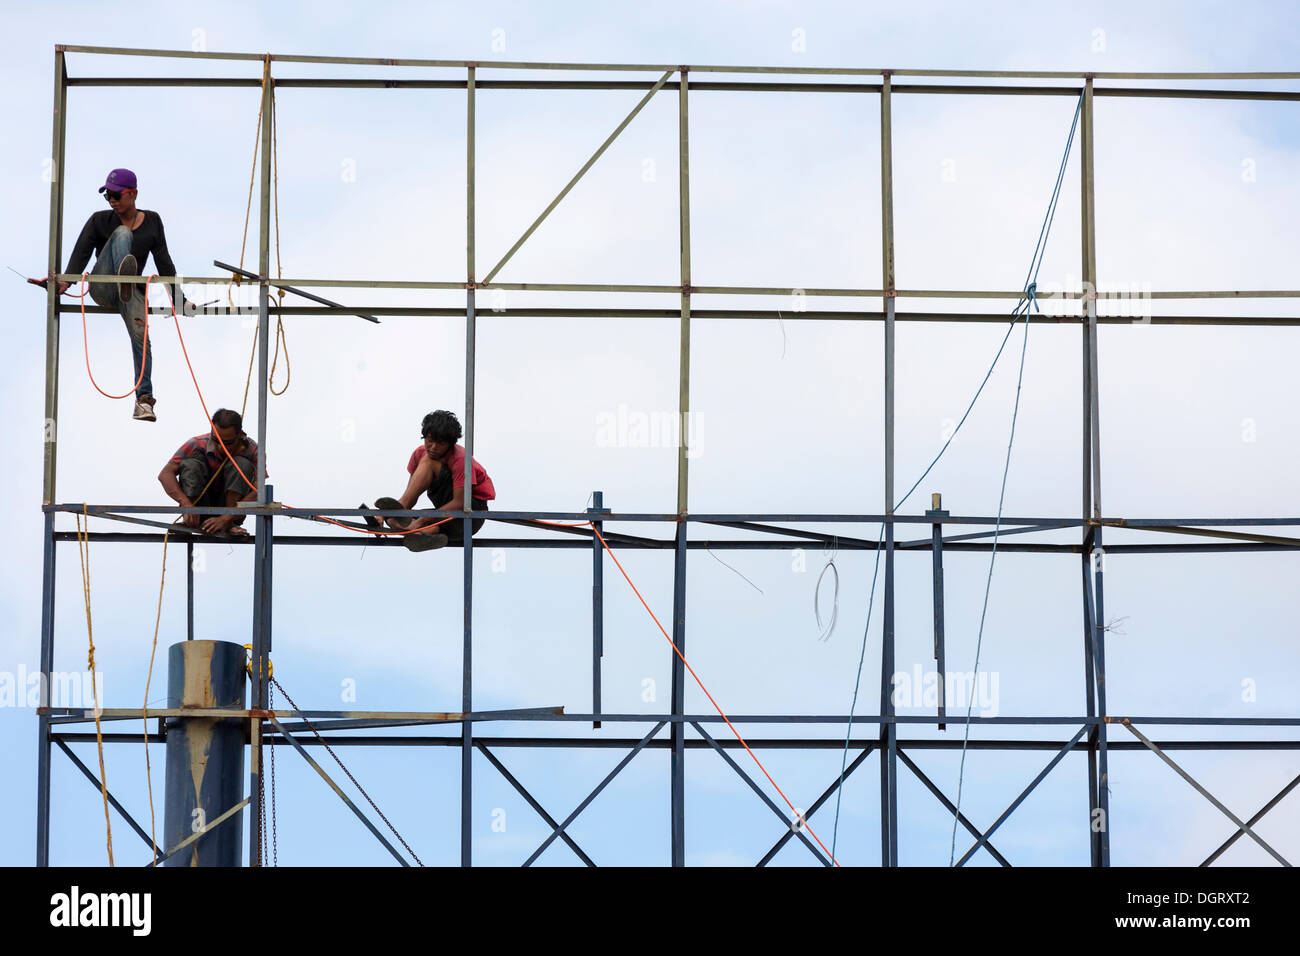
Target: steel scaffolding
(1091, 736)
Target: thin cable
(824, 630)
(731, 569)
(726, 720)
(1028, 300)
(1031, 282)
(988, 584)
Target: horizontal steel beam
(985, 318)
(644, 67)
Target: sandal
(371, 521)
(424, 541)
(392, 504)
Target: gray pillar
(205, 755)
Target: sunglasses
(114, 195)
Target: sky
(1196, 421)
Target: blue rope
(1028, 300)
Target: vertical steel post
(678, 729)
(888, 730)
(1092, 412)
(467, 663)
(936, 557)
(43, 719)
(262, 541)
(48, 560)
(55, 255)
(189, 590)
(597, 602)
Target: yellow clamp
(248, 665)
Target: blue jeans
(133, 309)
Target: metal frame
(1090, 739)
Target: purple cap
(119, 179)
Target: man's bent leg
(234, 487)
(115, 250)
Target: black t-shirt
(147, 239)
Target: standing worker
(122, 237)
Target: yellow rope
(83, 552)
(280, 338)
(252, 176)
(144, 714)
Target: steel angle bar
(573, 182)
(193, 837)
(1242, 827)
(961, 817)
(599, 787)
(288, 288)
(867, 747)
(529, 799)
(1252, 821)
(771, 804)
(335, 787)
(89, 775)
(1060, 754)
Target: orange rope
(85, 340)
(231, 458)
(678, 652)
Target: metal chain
(326, 745)
(275, 846)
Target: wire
(676, 650)
(1028, 300)
(1030, 284)
(825, 629)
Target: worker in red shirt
(437, 467)
(214, 470)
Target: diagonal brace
(1253, 820)
(148, 840)
(839, 781)
(1060, 755)
(599, 787)
(573, 182)
(335, 787)
(541, 811)
(821, 858)
(961, 817)
(1205, 793)
(201, 833)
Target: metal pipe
(597, 602)
(888, 735)
(48, 566)
(644, 67)
(467, 528)
(205, 755)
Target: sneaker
(127, 268)
(424, 541)
(144, 412)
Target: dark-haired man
(202, 475)
(122, 237)
(437, 467)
